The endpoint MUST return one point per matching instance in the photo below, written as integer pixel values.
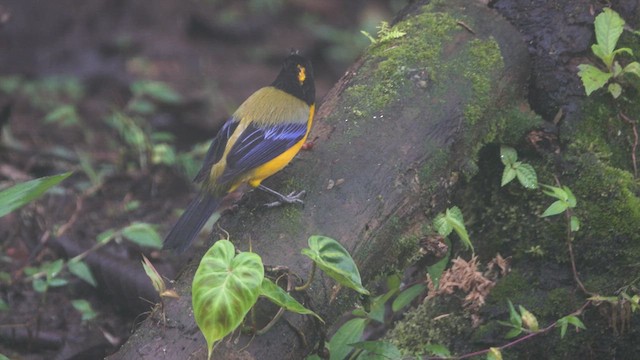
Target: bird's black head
(296, 78)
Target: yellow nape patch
(302, 74)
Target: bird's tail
(191, 222)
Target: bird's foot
(292, 198)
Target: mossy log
(392, 139)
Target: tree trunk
(392, 138)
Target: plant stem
(635, 141)
(309, 280)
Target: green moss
(392, 64)
(425, 325)
(487, 60)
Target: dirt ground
(89, 55)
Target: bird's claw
(292, 198)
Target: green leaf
(513, 333)
(609, 26)
(514, 317)
(153, 275)
(564, 322)
(84, 307)
(64, 115)
(39, 285)
(435, 271)
(508, 174)
(556, 192)
(528, 319)
(335, 260)
(453, 220)
(527, 176)
(105, 236)
(494, 354)
(156, 90)
(57, 282)
(142, 234)
(278, 296)
(441, 225)
(571, 199)
(592, 77)
(19, 195)
(81, 270)
(378, 350)
(407, 296)
(3, 305)
(556, 208)
(438, 350)
(224, 289)
(599, 52)
(349, 333)
(508, 155)
(615, 90)
(632, 68)
(4, 357)
(575, 223)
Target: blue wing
(216, 149)
(257, 145)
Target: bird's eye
(302, 74)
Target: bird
(261, 137)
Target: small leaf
(435, 271)
(84, 307)
(632, 68)
(3, 305)
(156, 90)
(508, 174)
(105, 236)
(556, 192)
(571, 199)
(508, 155)
(64, 115)
(556, 208)
(441, 225)
(278, 296)
(528, 319)
(514, 317)
(513, 333)
(527, 176)
(592, 77)
(21, 194)
(142, 234)
(407, 296)
(494, 354)
(615, 90)
(335, 260)
(349, 333)
(438, 350)
(39, 285)
(154, 276)
(80, 269)
(454, 217)
(609, 26)
(57, 282)
(224, 289)
(377, 350)
(575, 223)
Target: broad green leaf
(407, 296)
(3, 305)
(615, 90)
(53, 268)
(278, 296)
(4, 357)
(609, 26)
(21, 194)
(508, 155)
(105, 236)
(84, 307)
(599, 52)
(39, 285)
(494, 354)
(527, 176)
(224, 289)
(437, 350)
(378, 350)
(80, 269)
(592, 77)
(349, 333)
(335, 260)
(556, 208)
(513, 333)
(632, 68)
(57, 282)
(142, 234)
(508, 174)
(441, 225)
